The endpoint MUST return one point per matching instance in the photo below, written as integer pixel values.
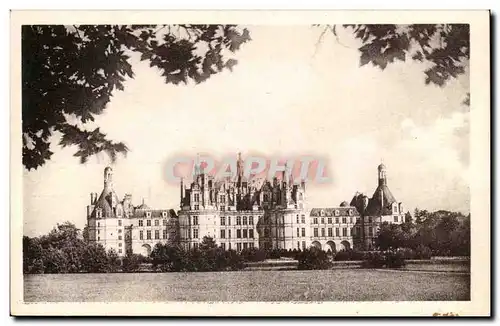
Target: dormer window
(350, 212)
(395, 208)
(322, 213)
(98, 213)
(164, 214)
(337, 212)
(148, 214)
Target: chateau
(240, 213)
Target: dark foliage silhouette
(70, 73)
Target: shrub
(388, 259)
(313, 258)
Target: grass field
(326, 285)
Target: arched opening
(316, 244)
(330, 245)
(146, 250)
(345, 245)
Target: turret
(382, 178)
(108, 178)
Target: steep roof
(381, 202)
(104, 203)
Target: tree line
(440, 233)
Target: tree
(445, 46)
(114, 262)
(390, 236)
(207, 243)
(70, 73)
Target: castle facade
(241, 213)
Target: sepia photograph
(327, 163)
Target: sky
(289, 95)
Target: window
(250, 220)
(229, 246)
(119, 237)
(195, 220)
(245, 220)
(303, 232)
(238, 246)
(196, 207)
(337, 213)
(298, 232)
(250, 233)
(222, 220)
(157, 234)
(119, 222)
(99, 213)
(303, 245)
(119, 244)
(164, 214)
(98, 224)
(322, 232)
(164, 222)
(303, 218)
(229, 235)
(370, 232)
(298, 244)
(223, 246)
(165, 235)
(322, 220)
(315, 220)
(119, 230)
(141, 235)
(337, 221)
(315, 232)
(148, 214)
(337, 232)
(98, 238)
(229, 220)
(196, 197)
(195, 245)
(195, 233)
(222, 234)
(148, 223)
(245, 246)
(148, 234)
(141, 223)
(238, 234)
(370, 219)
(223, 208)
(98, 231)
(344, 220)
(238, 220)
(350, 212)
(250, 245)
(222, 199)
(330, 232)
(245, 233)
(157, 222)
(344, 232)
(298, 221)
(329, 220)
(395, 218)
(119, 251)
(350, 219)
(395, 209)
